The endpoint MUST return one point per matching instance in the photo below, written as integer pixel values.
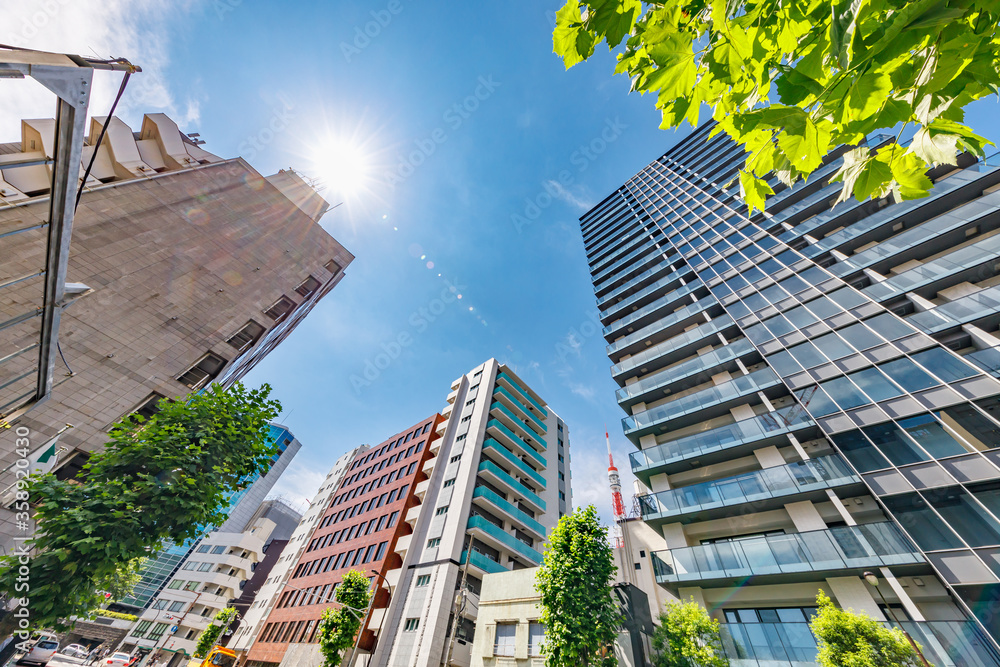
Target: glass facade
(837, 361)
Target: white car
(118, 660)
(75, 650)
(40, 653)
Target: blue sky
(489, 191)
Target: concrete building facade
(498, 483)
(199, 266)
(813, 394)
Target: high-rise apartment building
(254, 618)
(199, 266)
(812, 392)
(243, 508)
(361, 527)
(498, 483)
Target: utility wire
(100, 138)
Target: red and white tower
(617, 506)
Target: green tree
(581, 618)
(791, 80)
(210, 635)
(123, 580)
(159, 479)
(339, 626)
(848, 639)
(687, 637)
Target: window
(205, 567)
(218, 549)
(176, 583)
(280, 309)
(190, 565)
(423, 580)
(465, 419)
(470, 402)
(333, 267)
(441, 510)
(433, 542)
(460, 438)
(368, 553)
(159, 604)
(203, 549)
(191, 586)
(247, 337)
(455, 458)
(149, 406)
(638, 566)
(381, 550)
(411, 625)
(449, 482)
(536, 637)
(504, 644)
(141, 627)
(562, 496)
(207, 368)
(176, 606)
(308, 286)
(392, 520)
(157, 631)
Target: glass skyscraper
(813, 395)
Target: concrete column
(841, 508)
(673, 535)
(854, 593)
(741, 412)
(874, 275)
(721, 378)
(697, 593)
(981, 339)
(904, 597)
(805, 516)
(660, 482)
(798, 447)
(769, 457)
(920, 303)
(638, 407)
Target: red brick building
(358, 531)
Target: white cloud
(568, 197)
(582, 390)
(299, 482)
(137, 31)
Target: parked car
(41, 652)
(118, 660)
(75, 650)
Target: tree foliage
(848, 639)
(791, 80)
(339, 626)
(687, 637)
(210, 635)
(581, 618)
(164, 478)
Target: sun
(343, 166)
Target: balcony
(719, 444)
(520, 409)
(662, 329)
(520, 427)
(483, 563)
(403, 544)
(420, 490)
(702, 405)
(840, 551)
(488, 532)
(640, 281)
(943, 643)
(488, 497)
(650, 290)
(652, 311)
(691, 372)
(504, 456)
(496, 429)
(673, 349)
(767, 489)
(511, 385)
(497, 476)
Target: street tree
(210, 635)
(849, 639)
(160, 479)
(791, 80)
(339, 626)
(574, 581)
(687, 637)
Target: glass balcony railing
(680, 341)
(736, 388)
(686, 370)
(943, 643)
(483, 562)
(518, 441)
(671, 277)
(612, 273)
(515, 486)
(825, 472)
(520, 391)
(605, 301)
(518, 514)
(670, 320)
(666, 301)
(629, 247)
(743, 432)
(518, 422)
(505, 538)
(841, 548)
(539, 425)
(492, 445)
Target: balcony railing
(484, 563)
(508, 456)
(678, 342)
(504, 538)
(943, 643)
(665, 301)
(539, 425)
(521, 392)
(505, 506)
(674, 318)
(671, 277)
(762, 427)
(779, 482)
(518, 441)
(519, 423)
(844, 548)
(515, 486)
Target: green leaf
(754, 191)
(935, 149)
(570, 41)
(612, 19)
(867, 95)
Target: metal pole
(895, 620)
(364, 623)
(459, 605)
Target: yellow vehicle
(217, 657)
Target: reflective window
(875, 384)
(924, 526)
(823, 308)
(944, 364)
(972, 426)
(932, 436)
(894, 443)
(800, 317)
(855, 446)
(807, 355)
(783, 363)
(845, 394)
(832, 346)
(818, 403)
(779, 326)
(967, 517)
(847, 298)
(889, 326)
(908, 375)
(860, 336)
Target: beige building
(198, 266)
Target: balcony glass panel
(515, 485)
(520, 423)
(665, 301)
(699, 364)
(539, 426)
(522, 392)
(508, 456)
(671, 277)
(679, 341)
(518, 514)
(505, 538)
(670, 320)
(484, 563)
(520, 442)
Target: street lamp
(873, 581)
